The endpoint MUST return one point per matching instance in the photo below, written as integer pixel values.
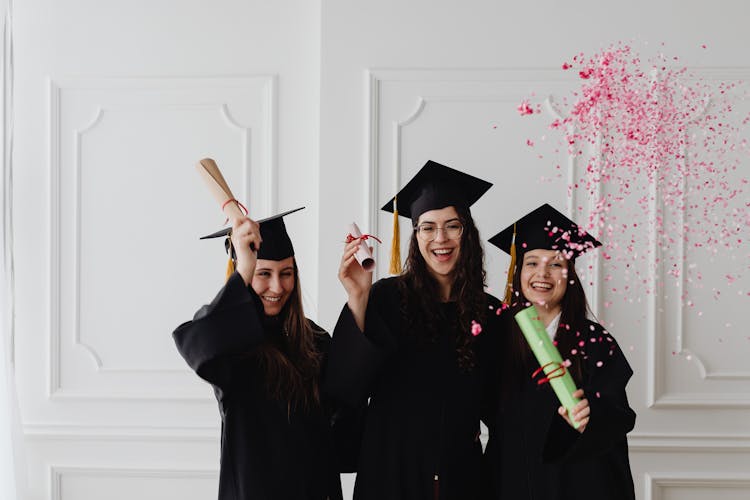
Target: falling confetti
(525, 108)
(660, 155)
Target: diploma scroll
(549, 358)
(364, 254)
(215, 182)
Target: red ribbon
(230, 200)
(364, 237)
(549, 376)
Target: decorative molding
(268, 168)
(80, 432)
(656, 396)
(372, 140)
(681, 443)
(56, 473)
(655, 482)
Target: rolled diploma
(363, 255)
(546, 352)
(215, 182)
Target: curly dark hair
(419, 289)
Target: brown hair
(292, 375)
(419, 289)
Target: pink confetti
(525, 108)
(639, 125)
(476, 328)
(530, 143)
(599, 364)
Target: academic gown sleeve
(355, 357)
(229, 325)
(611, 417)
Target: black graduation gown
(268, 451)
(421, 432)
(533, 454)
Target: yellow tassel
(511, 269)
(230, 268)
(395, 267)
(230, 263)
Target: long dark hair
(419, 290)
(519, 361)
(291, 367)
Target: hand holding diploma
(245, 240)
(580, 413)
(552, 365)
(245, 233)
(356, 279)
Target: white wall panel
(698, 487)
(122, 151)
(698, 347)
(82, 483)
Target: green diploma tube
(549, 357)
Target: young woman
(264, 360)
(406, 343)
(534, 451)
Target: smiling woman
(265, 360)
(411, 345)
(558, 461)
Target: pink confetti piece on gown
(476, 328)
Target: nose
(441, 234)
(275, 284)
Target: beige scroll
(215, 182)
(364, 254)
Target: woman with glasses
(417, 346)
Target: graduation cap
(435, 186)
(543, 228)
(276, 242)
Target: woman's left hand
(580, 412)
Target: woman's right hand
(357, 282)
(246, 241)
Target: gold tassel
(395, 267)
(230, 268)
(230, 263)
(511, 269)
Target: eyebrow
(288, 268)
(454, 219)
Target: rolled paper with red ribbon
(550, 361)
(364, 254)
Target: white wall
(115, 103)
(327, 104)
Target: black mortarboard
(548, 229)
(437, 186)
(543, 228)
(276, 242)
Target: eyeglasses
(428, 232)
